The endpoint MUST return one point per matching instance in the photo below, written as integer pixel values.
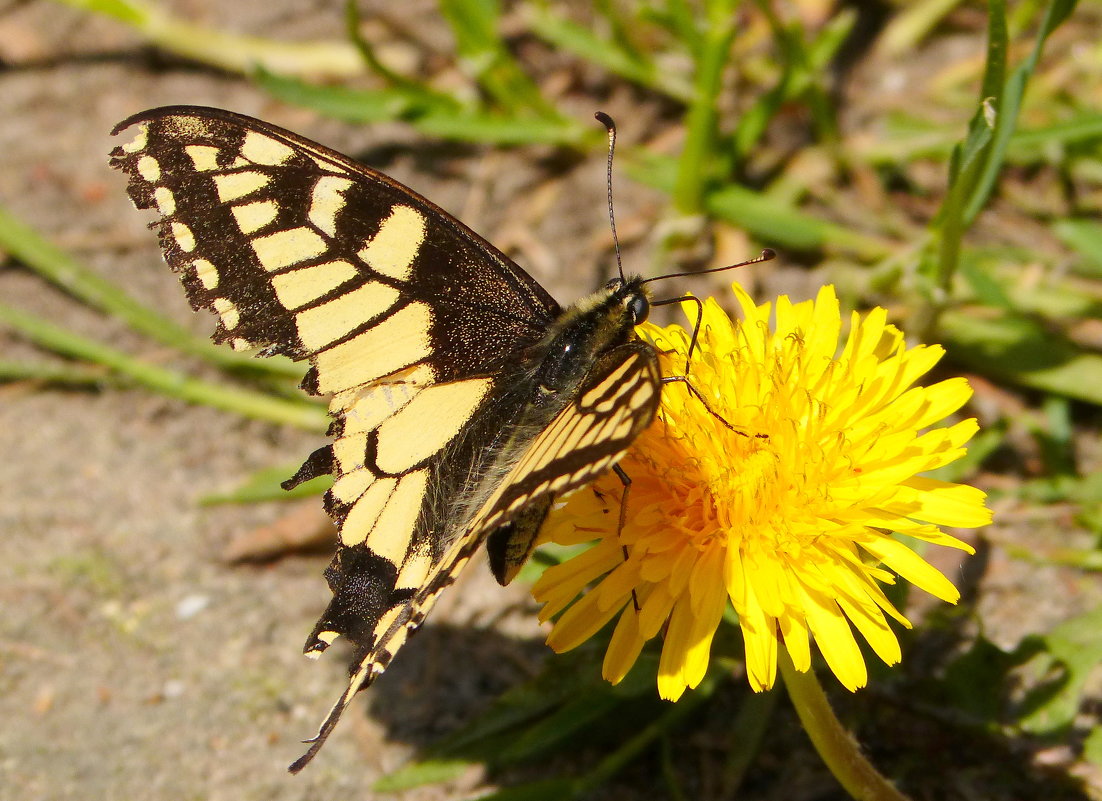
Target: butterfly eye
(639, 308)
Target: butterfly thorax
(595, 324)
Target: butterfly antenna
(766, 255)
(610, 126)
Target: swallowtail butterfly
(465, 400)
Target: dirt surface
(135, 663)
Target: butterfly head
(631, 296)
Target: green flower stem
(835, 745)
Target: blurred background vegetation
(940, 158)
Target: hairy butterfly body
(464, 399)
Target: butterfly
(465, 399)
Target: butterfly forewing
(431, 342)
(301, 250)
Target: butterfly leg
(684, 379)
(696, 326)
(625, 479)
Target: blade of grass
(696, 166)
(583, 42)
(74, 375)
(1085, 237)
(679, 20)
(908, 27)
(504, 130)
(422, 772)
(408, 86)
(773, 221)
(227, 51)
(635, 745)
(475, 24)
(968, 159)
(264, 485)
(563, 725)
(1010, 96)
(782, 224)
(809, 62)
(542, 790)
(627, 28)
(907, 139)
(444, 121)
(803, 65)
(61, 269)
(748, 731)
(341, 102)
(255, 405)
(1084, 127)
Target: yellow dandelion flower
(788, 517)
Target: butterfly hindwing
(618, 399)
(609, 409)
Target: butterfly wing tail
(365, 668)
(327, 726)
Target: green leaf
(1024, 352)
(1009, 97)
(546, 790)
(559, 729)
(778, 223)
(63, 374)
(773, 221)
(264, 485)
(563, 678)
(256, 405)
(699, 163)
(968, 159)
(475, 25)
(431, 114)
(1072, 651)
(1092, 747)
(123, 11)
(420, 773)
(502, 130)
(1085, 238)
(339, 102)
(1083, 128)
(582, 41)
(976, 681)
(228, 51)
